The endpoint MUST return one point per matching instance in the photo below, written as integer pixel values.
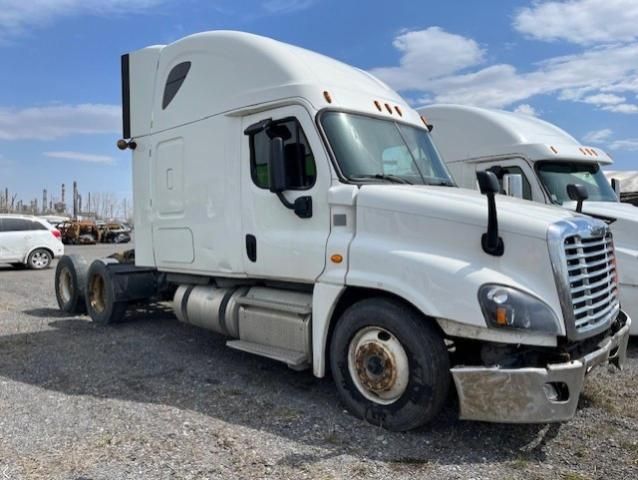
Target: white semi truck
(548, 159)
(298, 206)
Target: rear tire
(100, 295)
(70, 283)
(390, 365)
(39, 259)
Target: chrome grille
(592, 277)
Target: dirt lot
(154, 399)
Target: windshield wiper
(440, 183)
(382, 176)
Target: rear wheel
(100, 295)
(70, 283)
(390, 365)
(39, 259)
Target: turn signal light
(336, 258)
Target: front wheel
(390, 365)
(39, 259)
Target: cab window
(300, 162)
(500, 171)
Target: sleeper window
(174, 81)
(300, 162)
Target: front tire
(39, 259)
(101, 304)
(390, 365)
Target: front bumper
(522, 395)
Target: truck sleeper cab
(298, 206)
(472, 139)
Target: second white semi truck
(548, 159)
(298, 206)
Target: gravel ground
(154, 399)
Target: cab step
(294, 360)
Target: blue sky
(573, 63)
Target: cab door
(278, 242)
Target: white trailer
(548, 159)
(298, 206)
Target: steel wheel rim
(378, 365)
(97, 293)
(39, 259)
(65, 285)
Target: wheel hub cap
(378, 365)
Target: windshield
(555, 176)
(372, 149)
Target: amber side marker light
(336, 258)
(326, 95)
(426, 123)
(501, 316)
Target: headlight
(506, 307)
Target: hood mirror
(490, 241)
(578, 193)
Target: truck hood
(453, 204)
(625, 228)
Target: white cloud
(286, 6)
(622, 108)
(81, 157)
(580, 21)
(630, 144)
(598, 136)
(526, 109)
(429, 54)
(604, 99)
(18, 16)
(588, 76)
(57, 121)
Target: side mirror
(277, 166)
(513, 185)
(615, 185)
(302, 206)
(577, 192)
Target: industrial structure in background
(94, 206)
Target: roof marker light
(553, 149)
(326, 95)
(388, 108)
(396, 107)
(582, 150)
(377, 104)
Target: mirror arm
(491, 242)
(302, 206)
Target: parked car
(80, 232)
(30, 241)
(114, 233)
